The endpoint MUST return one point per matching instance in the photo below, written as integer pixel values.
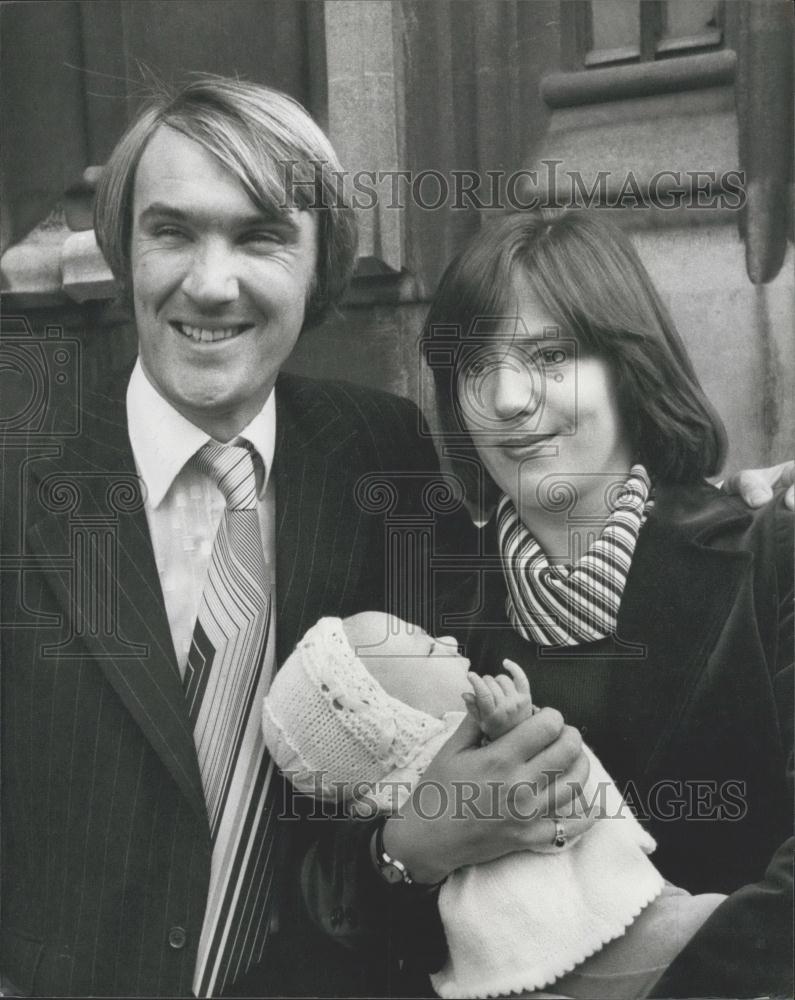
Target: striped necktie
(557, 605)
(227, 675)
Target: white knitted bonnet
(328, 723)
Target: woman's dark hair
(588, 276)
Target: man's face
(219, 288)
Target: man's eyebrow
(162, 210)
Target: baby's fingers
(471, 705)
(484, 697)
(506, 685)
(518, 675)
(494, 689)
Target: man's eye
(169, 233)
(263, 237)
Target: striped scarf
(558, 605)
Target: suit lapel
(97, 558)
(318, 536)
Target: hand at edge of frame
(755, 486)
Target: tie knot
(232, 469)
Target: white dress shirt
(184, 506)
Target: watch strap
(384, 860)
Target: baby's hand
(499, 703)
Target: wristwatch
(393, 871)
(390, 869)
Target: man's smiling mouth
(208, 335)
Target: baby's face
(428, 674)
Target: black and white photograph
(396, 498)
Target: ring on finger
(560, 838)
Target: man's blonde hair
(268, 142)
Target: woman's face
(536, 408)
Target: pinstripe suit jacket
(105, 849)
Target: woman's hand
(477, 803)
(756, 486)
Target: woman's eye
(553, 357)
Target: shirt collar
(163, 440)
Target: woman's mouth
(528, 444)
(209, 334)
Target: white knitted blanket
(526, 919)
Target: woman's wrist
(400, 843)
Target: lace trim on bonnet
(329, 724)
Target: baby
(360, 709)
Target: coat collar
(91, 538)
(680, 592)
(315, 525)
(697, 512)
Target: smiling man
(144, 847)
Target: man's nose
(516, 389)
(211, 278)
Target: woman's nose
(445, 644)
(516, 389)
(211, 279)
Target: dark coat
(105, 842)
(690, 708)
